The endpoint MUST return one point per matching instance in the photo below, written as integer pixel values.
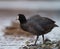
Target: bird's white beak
(17, 17)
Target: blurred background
(12, 34)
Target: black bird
(36, 25)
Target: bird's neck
(23, 21)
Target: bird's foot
(32, 45)
(47, 40)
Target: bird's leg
(35, 42)
(43, 38)
(36, 39)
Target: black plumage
(36, 25)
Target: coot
(36, 25)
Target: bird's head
(21, 18)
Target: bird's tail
(56, 25)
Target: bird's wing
(48, 20)
(34, 27)
(39, 19)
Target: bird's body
(37, 25)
